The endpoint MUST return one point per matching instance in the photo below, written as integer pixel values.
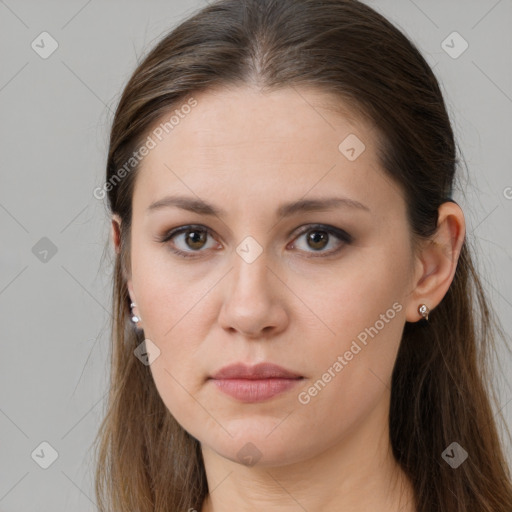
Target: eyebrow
(201, 207)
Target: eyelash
(330, 230)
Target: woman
(297, 320)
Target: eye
(188, 240)
(318, 237)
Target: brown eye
(188, 241)
(195, 238)
(317, 239)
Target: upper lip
(258, 371)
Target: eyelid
(340, 233)
(168, 234)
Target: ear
(437, 261)
(116, 239)
(116, 232)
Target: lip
(255, 383)
(258, 371)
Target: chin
(258, 445)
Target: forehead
(244, 116)
(242, 142)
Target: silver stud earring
(135, 318)
(423, 310)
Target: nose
(253, 304)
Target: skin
(248, 153)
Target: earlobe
(438, 261)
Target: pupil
(315, 239)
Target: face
(318, 291)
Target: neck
(356, 474)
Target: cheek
(177, 323)
(177, 313)
(364, 310)
(176, 390)
(357, 293)
(169, 293)
(352, 370)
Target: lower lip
(257, 390)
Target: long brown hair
(442, 390)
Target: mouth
(255, 383)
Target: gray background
(55, 116)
